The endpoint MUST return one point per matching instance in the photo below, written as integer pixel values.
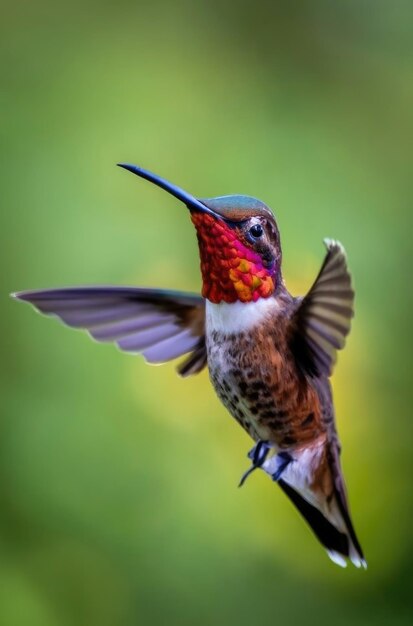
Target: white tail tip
(337, 558)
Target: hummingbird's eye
(256, 231)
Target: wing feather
(162, 325)
(322, 321)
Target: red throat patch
(230, 270)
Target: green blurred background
(118, 498)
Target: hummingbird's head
(239, 243)
(240, 249)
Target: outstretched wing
(161, 325)
(323, 319)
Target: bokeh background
(118, 498)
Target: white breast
(238, 316)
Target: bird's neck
(231, 272)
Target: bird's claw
(257, 454)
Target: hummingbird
(270, 355)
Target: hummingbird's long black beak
(191, 202)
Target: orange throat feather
(230, 270)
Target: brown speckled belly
(259, 385)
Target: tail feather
(356, 552)
(331, 538)
(311, 477)
(339, 545)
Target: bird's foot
(274, 465)
(257, 454)
(281, 460)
